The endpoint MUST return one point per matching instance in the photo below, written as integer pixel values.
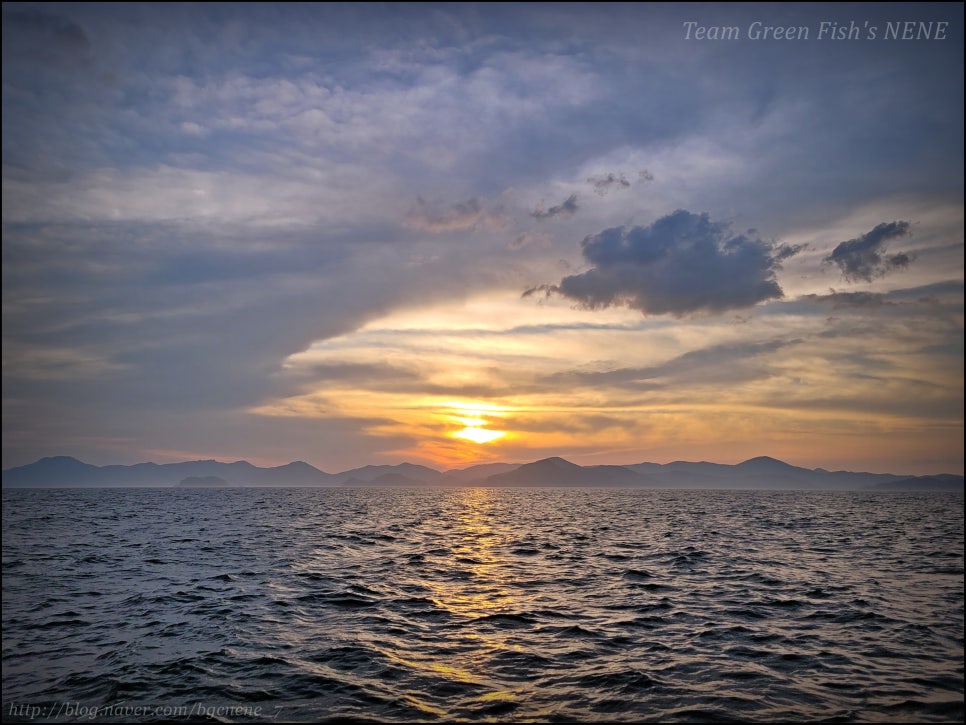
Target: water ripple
(548, 605)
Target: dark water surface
(471, 604)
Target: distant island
(762, 472)
(203, 482)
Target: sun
(474, 419)
(478, 435)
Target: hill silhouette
(761, 472)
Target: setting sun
(479, 435)
(473, 418)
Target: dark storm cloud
(864, 258)
(566, 208)
(681, 263)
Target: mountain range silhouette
(762, 472)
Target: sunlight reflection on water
(489, 604)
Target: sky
(465, 233)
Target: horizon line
(444, 471)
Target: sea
(398, 605)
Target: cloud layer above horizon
(681, 263)
(283, 232)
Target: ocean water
(474, 604)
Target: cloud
(530, 240)
(566, 208)
(603, 183)
(860, 300)
(469, 214)
(727, 363)
(937, 301)
(357, 372)
(864, 258)
(681, 263)
(44, 38)
(193, 194)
